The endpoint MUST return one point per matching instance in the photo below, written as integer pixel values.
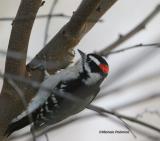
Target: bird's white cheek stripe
(94, 78)
(95, 60)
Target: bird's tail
(14, 126)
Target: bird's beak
(83, 56)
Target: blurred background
(133, 85)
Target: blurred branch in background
(137, 61)
(122, 38)
(149, 111)
(44, 16)
(54, 3)
(130, 66)
(141, 80)
(154, 45)
(81, 118)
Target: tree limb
(56, 15)
(54, 3)
(19, 40)
(57, 54)
(141, 45)
(135, 30)
(20, 35)
(59, 49)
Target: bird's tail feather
(12, 127)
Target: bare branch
(137, 29)
(61, 15)
(56, 15)
(130, 66)
(101, 110)
(137, 101)
(141, 45)
(54, 3)
(149, 111)
(20, 34)
(19, 40)
(127, 85)
(59, 49)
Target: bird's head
(94, 64)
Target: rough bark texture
(19, 39)
(57, 53)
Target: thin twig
(61, 15)
(49, 21)
(141, 80)
(101, 110)
(46, 136)
(128, 66)
(149, 111)
(43, 16)
(146, 134)
(141, 45)
(128, 127)
(136, 102)
(137, 29)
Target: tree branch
(20, 35)
(155, 45)
(59, 49)
(56, 15)
(19, 40)
(137, 29)
(54, 3)
(57, 54)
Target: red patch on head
(104, 68)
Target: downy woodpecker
(81, 80)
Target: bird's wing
(45, 91)
(40, 98)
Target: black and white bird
(81, 80)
